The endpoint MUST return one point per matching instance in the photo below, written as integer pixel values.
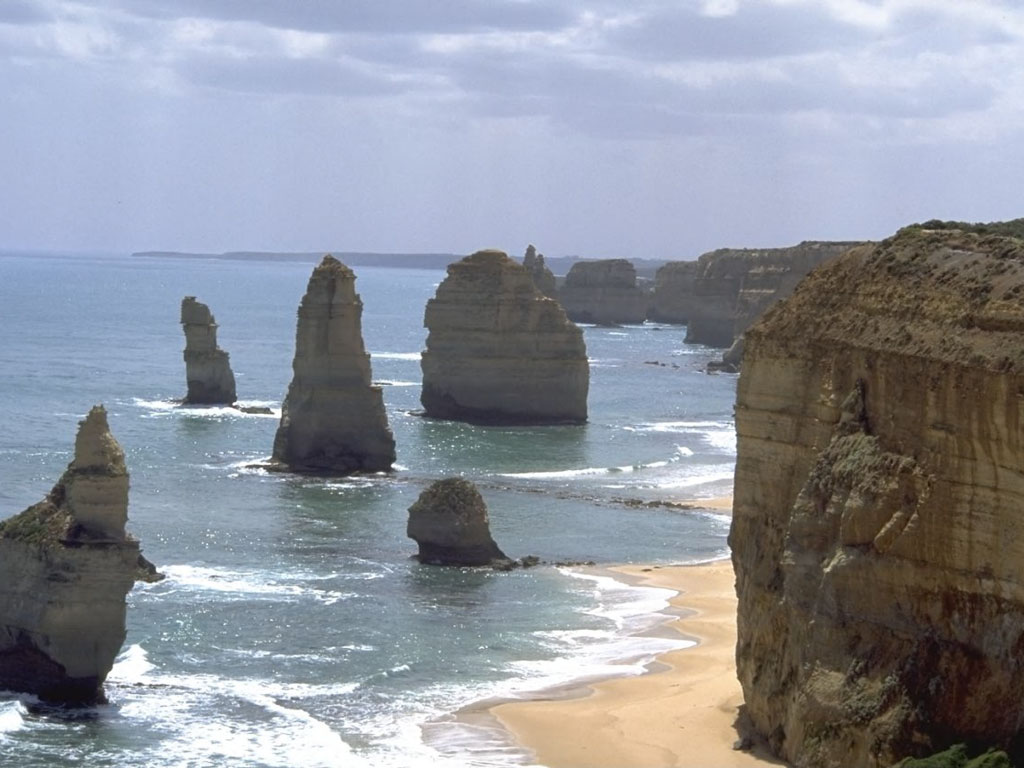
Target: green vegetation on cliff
(957, 757)
(1012, 228)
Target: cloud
(23, 12)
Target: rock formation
(498, 352)
(673, 292)
(877, 535)
(543, 278)
(449, 522)
(333, 420)
(604, 292)
(207, 370)
(732, 287)
(66, 565)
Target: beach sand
(683, 713)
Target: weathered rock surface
(877, 533)
(732, 287)
(543, 278)
(66, 565)
(673, 292)
(604, 292)
(207, 369)
(499, 352)
(333, 420)
(449, 521)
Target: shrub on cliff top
(1012, 228)
(957, 757)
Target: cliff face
(333, 419)
(603, 292)
(673, 292)
(543, 278)
(207, 370)
(66, 566)
(877, 534)
(732, 287)
(498, 352)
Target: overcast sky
(637, 128)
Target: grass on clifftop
(41, 523)
(1012, 228)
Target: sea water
(293, 628)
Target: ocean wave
(157, 408)
(412, 356)
(562, 474)
(12, 718)
(396, 383)
(718, 435)
(247, 584)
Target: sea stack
(449, 522)
(542, 277)
(604, 292)
(207, 370)
(66, 565)
(333, 420)
(876, 535)
(498, 351)
(673, 292)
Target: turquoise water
(293, 628)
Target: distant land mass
(558, 264)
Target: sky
(638, 129)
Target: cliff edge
(877, 535)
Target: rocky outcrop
(673, 292)
(603, 292)
(543, 278)
(449, 522)
(732, 287)
(498, 352)
(333, 420)
(66, 565)
(877, 536)
(207, 370)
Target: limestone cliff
(66, 565)
(207, 370)
(449, 521)
(732, 287)
(498, 352)
(333, 420)
(673, 292)
(877, 534)
(604, 292)
(543, 278)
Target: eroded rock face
(333, 420)
(877, 534)
(604, 292)
(543, 278)
(66, 565)
(673, 292)
(207, 369)
(498, 352)
(732, 287)
(449, 521)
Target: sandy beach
(681, 714)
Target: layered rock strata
(499, 352)
(604, 292)
(450, 524)
(332, 420)
(66, 565)
(876, 535)
(543, 278)
(732, 287)
(673, 292)
(207, 369)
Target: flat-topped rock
(876, 534)
(333, 419)
(673, 292)
(498, 351)
(66, 565)
(207, 367)
(605, 292)
(450, 523)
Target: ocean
(294, 628)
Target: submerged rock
(333, 419)
(876, 535)
(207, 370)
(449, 522)
(66, 565)
(604, 292)
(499, 352)
(543, 278)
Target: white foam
(248, 584)
(132, 665)
(394, 383)
(168, 407)
(395, 355)
(12, 718)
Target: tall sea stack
(877, 534)
(66, 565)
(207, 370)
(499, 352)
(542, 277)
(333, 420)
